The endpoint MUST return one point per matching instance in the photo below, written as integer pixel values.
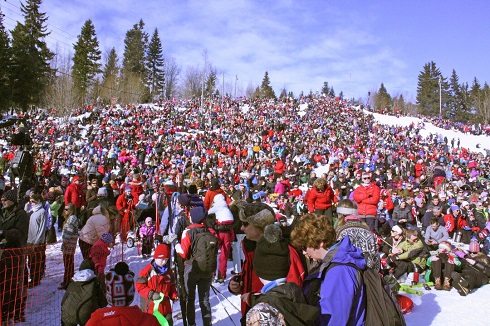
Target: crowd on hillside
(405, 200)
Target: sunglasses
(366, 178)
(245, 224)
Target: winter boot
(447, 284)
(460, 284)
(438, 283)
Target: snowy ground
(432, 308)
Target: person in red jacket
(279, 168)
(156, 280)
(125, 204)
(74, 194)
(321, 198)
(367, 197)
(214, 189)
(255, 217)
(120, 294)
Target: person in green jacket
(406, 258)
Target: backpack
(381, 305)
(204, 250)
(382, 308)
(79, 301)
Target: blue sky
(353, 45)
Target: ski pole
(216, 290)
(229, 316)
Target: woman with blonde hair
(358, 232)
(69, 243)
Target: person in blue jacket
(335, 287)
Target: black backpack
(381, 305)
(204, 250)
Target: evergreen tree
(284, 93)
(134, 72)
(459, 106)
(331, 93)
(483, 105)
(266, 89)
(210, 84)
(110, 76)
(325, 89)
(454, 92)
(5, 78)
(155, 65)
(428, 90)
(86, 61)
(399, 103)
(30, 56)
(382, 100)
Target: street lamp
(440, 97)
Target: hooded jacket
(122, 316)
(150, 280)
(83, 296)
(221, 210)
(37, 226)
(96, 225)
(338, 288)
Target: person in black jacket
(474, 273)
(83, 296)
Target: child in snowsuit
(99, 253)
(147, 234)
(156, 280)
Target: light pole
(440, 97)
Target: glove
(157, 296)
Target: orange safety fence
(31, 279)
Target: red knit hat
(162, 252)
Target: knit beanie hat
(87, 264)
(271, 257)
(162, 251)
(198, 214)
(454, 208)
(107, 238)
(120, 285)
(10, 195)
(214, 184)
(184, 199)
